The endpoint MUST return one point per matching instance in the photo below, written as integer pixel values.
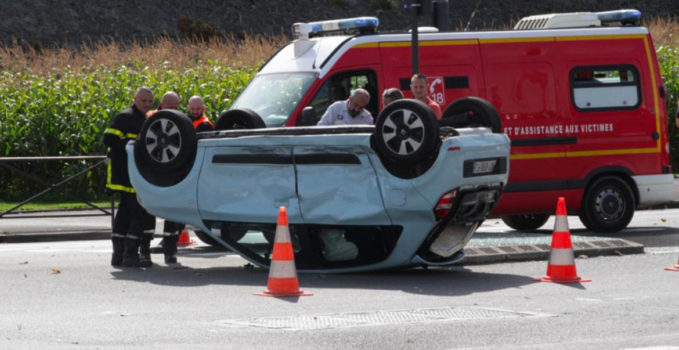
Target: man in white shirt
(349, 112)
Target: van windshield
(275, 96)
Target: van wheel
(526, 222)
(608, 205)
(470, 112)
(406, 132)
(165, 148)
(230, 234)
(239, 119)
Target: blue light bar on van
(346, 24)
(623, 16)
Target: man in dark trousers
(172, 230)
(131, 218)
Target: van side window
(605, 88)
(339, 86)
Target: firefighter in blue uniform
(131, 219)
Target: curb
(54, 237)
(495, 254)
(474, 255)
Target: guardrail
(5, 162)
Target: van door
(453, 68)
(521, 84)
(612, 119)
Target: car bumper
(654, 189)
(444, 244)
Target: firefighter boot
(170, 248)
(118, 249)
(145, 251)
(131, 253)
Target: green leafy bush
(668, 57)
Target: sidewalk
(488, 245)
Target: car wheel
(406, 132)
(165, 148)
(526, 222)
(608, 205)
(230, 234)
(239, 119)
(469, 112)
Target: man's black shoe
(131, 261)
(145, 260)
(170, 259)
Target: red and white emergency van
(580, 96)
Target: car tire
(165, 148)
(232, 234)
(406, 132)
(608, 205)
(526, 221)
(239, 119)
(470, 112)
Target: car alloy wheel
(163, 141)
(403, 132)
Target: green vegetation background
(63, 110)
(65, 113)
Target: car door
(247, 183)
(337, 184)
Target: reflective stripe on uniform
(114, 186)
(114, 132)
(117, 235)
(201, 120)
(132, 237)
(120, 134)
(121, 188)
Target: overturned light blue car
(405, 192)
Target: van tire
(470, 112)
(526, 221)
(406, 142)
(239, 119)
(165, 148)
(608, 205)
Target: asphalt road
(64, 295)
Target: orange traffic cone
(282, 273)
(673, 268)
(561, 267)
(184, 239)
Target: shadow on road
(442, 282)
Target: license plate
(483, 166)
